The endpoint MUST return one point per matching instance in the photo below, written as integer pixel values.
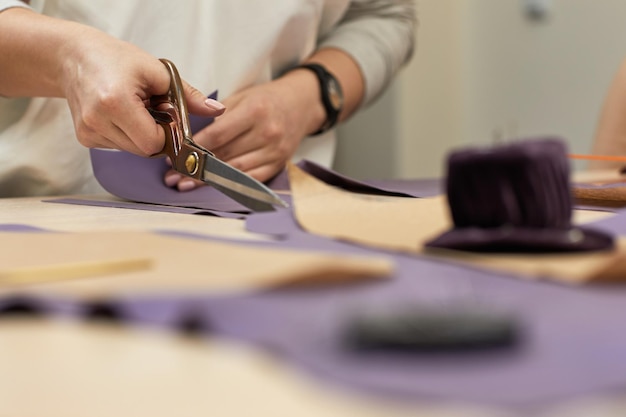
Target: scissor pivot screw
(192, 163)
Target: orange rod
(599, 157)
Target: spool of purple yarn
(514, 198)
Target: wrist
(305, 86)
(76, 54)
(330, 94)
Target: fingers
(199, 104)
(257, 135)
(140, 135)
(240, 145)
(179, 181)
(126, 124)
(146, 135)
(266, 172)
(108, 104)
(265, 144)
(108, 107)
(259, 164)
(261, 173)
(223, 130)
(259, 149)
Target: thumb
(199, 104)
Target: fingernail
(186, 185)
(214, 104)
(172, 179)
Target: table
(65, 368)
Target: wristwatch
(330, 94)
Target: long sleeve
(379, 35)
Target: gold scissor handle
(170, 111)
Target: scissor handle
(170, 111)
(175, 97)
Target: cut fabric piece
(139, 181)
(179, 265)
(387, 222)
(338, 180)
(104, 201)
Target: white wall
(484, 70)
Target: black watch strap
(330, 93)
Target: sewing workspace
(483, 275)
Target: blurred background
(486, 71)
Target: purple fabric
(595, 208)
(146, 206)
(523, 240)
(569, 347)
(338, 180)
(428, 187)
(140, 181)
(19, 228)
(572, 343)
(615, 224)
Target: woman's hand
(108, 83)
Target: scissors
(190, 159)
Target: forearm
(32, 47)
(610, 137)
(364, 52)
(39, 52)
(379, 35)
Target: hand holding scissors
(190, 159)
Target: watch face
(334, 94)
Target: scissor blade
(240, 186)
